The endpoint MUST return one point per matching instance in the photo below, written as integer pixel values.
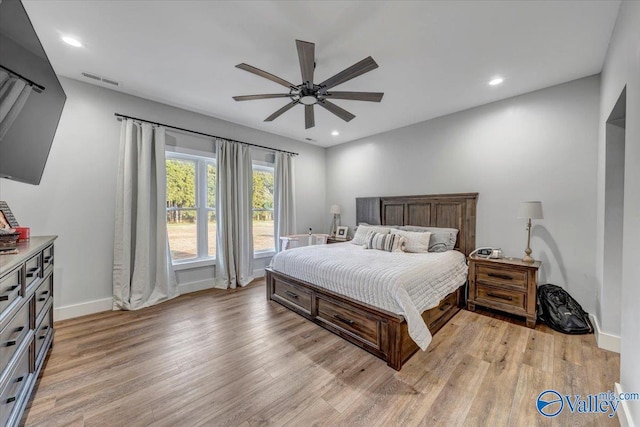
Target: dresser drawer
(10, 289)
(293, 296)
(43, 294)
(14, 334)
(359, 324)
(43, 331)
(47, 257)
(492, 295)
(33, 268)
(509, 277)
(12, 390)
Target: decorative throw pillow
(416, 242)
(442, 239)
(359, 238)
(384, 242)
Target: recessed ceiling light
(335, 133)
(496, 81)
(73, 42)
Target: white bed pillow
(417, 242)
(360, 237)
(442, 239)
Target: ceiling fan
(309, 94)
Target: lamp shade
(335, 209)
(530, 210)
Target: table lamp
(335, 210)
(529, 211)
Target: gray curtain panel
(234, 210)
(13, 95)
(142, 271)
(284, 207)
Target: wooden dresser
(26, 323)
(505, 284)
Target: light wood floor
(232, 358)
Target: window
(191, 206)
(263, 227)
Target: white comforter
(399, 282)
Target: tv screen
(31, 97)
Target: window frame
(202, 209)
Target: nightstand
(332, 240)
(504, 284)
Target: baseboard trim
(82, 309)
(624, 415)
(258, 273)
(200, 285)
(605, 341)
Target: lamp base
(528, 258)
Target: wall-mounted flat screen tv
(31, 97)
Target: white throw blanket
(399, 282)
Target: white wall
(622, 67)
(538, 146)
(75, 199)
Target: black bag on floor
(561, 312)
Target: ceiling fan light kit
(309, 94)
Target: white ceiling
(435, 57)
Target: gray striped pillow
(382, 241)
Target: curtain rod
(122, 116)
(31, 82)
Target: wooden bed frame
(380, 332)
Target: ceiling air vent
(106, 80)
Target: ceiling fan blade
(338, 111)
(261, 73)
(354, 71)
(306, 55)
(280, 111)
(309, 118)
(356, 96)
(264, 96)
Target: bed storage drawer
(358, 324)
(438, 314)
(292, 296)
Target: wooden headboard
(434, 210)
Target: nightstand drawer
(502, 276)
(494, 295)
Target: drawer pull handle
(5, 297)
(45, 292)
(13, 288)
(48, 258)
(33, 271)
(19, 379)
(445, 307)
(11, 343)
(291, 294)
(500, 276)
(42, 299)
(45, 327)
(11, 399)
(504, 297)
(41, 337)
(344, 320)
(19, 328)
